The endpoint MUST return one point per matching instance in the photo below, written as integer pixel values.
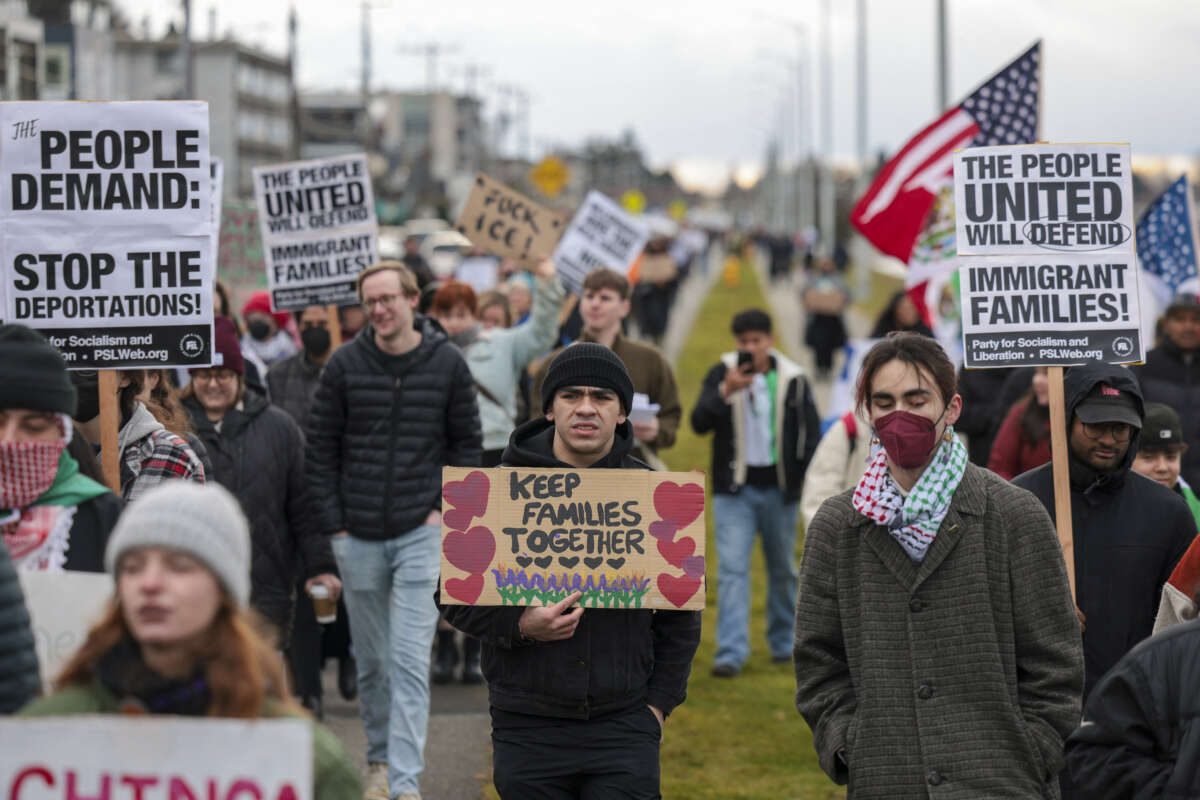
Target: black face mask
(259, 330)
(87, 390)
(316, 341)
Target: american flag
(1004, 110)
(1166, 245)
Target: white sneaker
(377, 782)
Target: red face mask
(908, 438)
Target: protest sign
(626, 539)
(240, 259)
(107, 230)
(550, 176)
(152, 757)
(600, 235)
(1043, 199)
(1034, 311)
(507, 223)
(63, 607)
(318, 229)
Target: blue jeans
(389, 588)
(737, 517)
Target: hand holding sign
(551, 623)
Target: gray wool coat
(959, 677)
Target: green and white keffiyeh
(912, 520)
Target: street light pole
(828, 189)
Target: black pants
(616, 757)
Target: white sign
(156, 758)
(1050, 311)
(63, 607)
(216, 171)
(1043, 199)
(600, 235)
(107, 226)
(318, 229)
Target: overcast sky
(704, 79)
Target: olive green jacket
(334, 776)
(959, 677)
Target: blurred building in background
(22, 44)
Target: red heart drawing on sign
(677, 590)
(675, 552)
(465, 589)
(679, 503)
(471, 551)
(664, 529)
(469, 498)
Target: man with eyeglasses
(1129, 531)
(392, 408)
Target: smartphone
(745, 359)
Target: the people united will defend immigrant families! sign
(319, 229)
(107, 244)
(1045, 245)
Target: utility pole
(365, 88)
(293, 49)
(943, 79)
(185, 52)
(861, 83)
(828, 189)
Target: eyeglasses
(1119, 431)
(214, 376)
(387, 301)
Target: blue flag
(1165, 245)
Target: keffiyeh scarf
(914, 520)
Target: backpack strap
(851, 428)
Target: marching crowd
(940, 645)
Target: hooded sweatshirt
(1129, 532)
(151, 454)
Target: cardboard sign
(156, 758)
(507, 223)
(626, 539)
(63, 607)
(600, 235)
(1036, 311)
(240, 252)
(1044, 199)
(107, 245)
(318, 229)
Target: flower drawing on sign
(521, 588)
(678, 505)
(467, 548)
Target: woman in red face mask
(935, 630)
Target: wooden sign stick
(110, 424)
(335, 326)
(1062, 475)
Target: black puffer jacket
(1129, 533)
(258, 455)
(616, 660)
(1140, 736)
(381, 429)
(1172, 376)
(18, 658)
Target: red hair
(453, 293)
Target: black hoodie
(615, 661)
(1129, 532)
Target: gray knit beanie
(205, 522)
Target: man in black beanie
(578, 700)
(52, 517)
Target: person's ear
(954, 409)
(621, 418)
(625, 308)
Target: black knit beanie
(587, 364)
(33, 374)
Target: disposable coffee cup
(323, 606)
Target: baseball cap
(1162, 428)
(1184, 300)
(1105, 403)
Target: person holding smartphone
(759, 407)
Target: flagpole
(943, 83)
(1191, 211)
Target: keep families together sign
(624, 539)
(107, 226)
(1048, 273)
